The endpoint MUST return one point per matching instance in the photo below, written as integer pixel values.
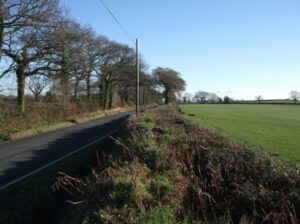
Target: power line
(117, 21)
(137, 55)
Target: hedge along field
(273, 128)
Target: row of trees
(204, 97)
(293, 95)
(208, 97)
(47, 50)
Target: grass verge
(54, 125)
(164, 169)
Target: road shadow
(25, 160)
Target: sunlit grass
(273, 128)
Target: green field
(273, 128)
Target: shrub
(159, 185)
(163, 215)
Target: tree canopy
(47, 50)
(170, 80)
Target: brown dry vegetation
(164, 169)
(44, 116)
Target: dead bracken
(163, 169)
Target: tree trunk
(76, 90)
(64, 88)
(88, 89)
(36, 97)
(100, 95)
(126, 94)
(21, 88)
(102, 92)
(105, 95)
(166, 96)
(75, 94)
(110, 96)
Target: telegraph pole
(137, 108)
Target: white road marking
(55, 161)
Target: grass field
(273, 128)
(278, 101)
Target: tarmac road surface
(25, 157)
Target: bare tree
(37, 84)
(127, 83)
(65, 57)
(92, 51)
(26, 61)
(170, 81)
(40, 43)
(294, 96)
(115, 66)
(259, 98)
(212, 98)
(201, 96)
(187, 97)
(148, 90)
(17, 16)
(23, 24)
(103, 51)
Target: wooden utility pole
(2, 11)
(137, 108)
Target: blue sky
(240, 48)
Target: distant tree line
(294, 96)
(203, 97)
(50, 53)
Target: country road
(22, 158)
